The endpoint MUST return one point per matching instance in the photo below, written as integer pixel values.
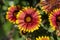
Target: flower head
(43, 38)
(28, 19)
(49, 5)
(11, 13)
(54, 19)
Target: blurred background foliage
(9, 31)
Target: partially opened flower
(11, 13)
(54, 19)
(43, 38)
(49, 5)
(28, 19)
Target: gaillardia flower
(28, 19)
(11, 13)
(54, 19)
(43, 38)
(49, 5)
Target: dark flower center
(15, 12)
(28, 18)
(58, 19)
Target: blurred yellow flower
(43, 38)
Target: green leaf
(51, 30)
(4, 7)
(24, 3)
(2, 19)
(16, 35)
(58, 38)
(19, 38)
(5, 2)
(7, 27)
(8, 2)
(44, 27)
(11, 3)
(16, 1)
(52, 38)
